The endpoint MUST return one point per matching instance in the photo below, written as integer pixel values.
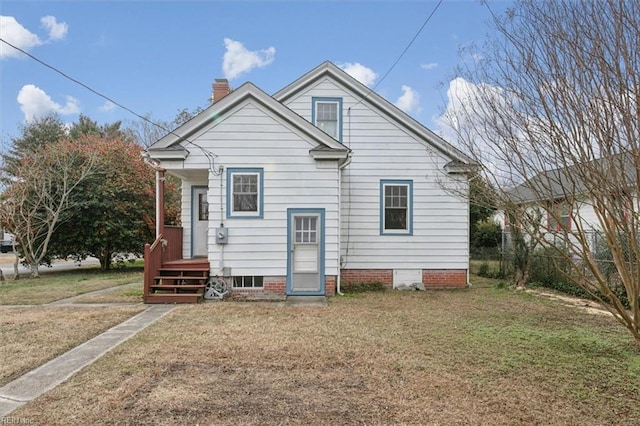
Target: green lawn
(54, 286)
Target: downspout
(340, 169)
(221, 264)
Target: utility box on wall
(222, 235)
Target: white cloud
(57, 30)
(361, 73)
(409, 102)
(429, 66)
(13, 32)
(461, 96)
(17, 35)
(107, 106)
(464, 120)
(35, 103)
(238, 60)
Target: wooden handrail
(152, 263)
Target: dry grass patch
(121, 294)
(32, 336)
(480, 356)
(61, 285)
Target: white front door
(306, 250)
(200, 222)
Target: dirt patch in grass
(479, 356)
(32, 336)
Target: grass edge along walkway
(44, 378)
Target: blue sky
(158, 57)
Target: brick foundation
(330, 285)
(431, 278)
(444, 278)
(275, 285)
(366, 276)
(278, 285)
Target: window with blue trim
(327, 116)
(244, 192)
(396, 207)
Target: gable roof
(174, 145)
(378, 102)
(567, 182)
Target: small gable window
(396, 207)
(244, 192)
(327, 115)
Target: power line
(68, 77)
(208, 154)
(424, 24)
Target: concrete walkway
(46, 377)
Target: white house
(321, 184)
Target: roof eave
(167, 153)
(457, 167)
(334, 154)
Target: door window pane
(203, 207)
(306, 230)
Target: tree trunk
(35, 273)
(521, 277)
(105, 261)
(16, 264)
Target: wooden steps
(179, 282)
(170, 298)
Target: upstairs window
(244, 192)
(327, 116)
(559, 216)
(396, 207)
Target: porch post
(159, 201)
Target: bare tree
(551, 109)
(41, 194)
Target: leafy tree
(487, 234)
(34, 135)
(87, 127)
(41, 196)
(481, 208)
(117, 209)
(551, 111)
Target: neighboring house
(564, 202)
(322, 184)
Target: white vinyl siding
(250, 138)
(382, 149)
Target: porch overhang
(167, 154)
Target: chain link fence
(553, 270)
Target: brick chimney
(221, 89)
